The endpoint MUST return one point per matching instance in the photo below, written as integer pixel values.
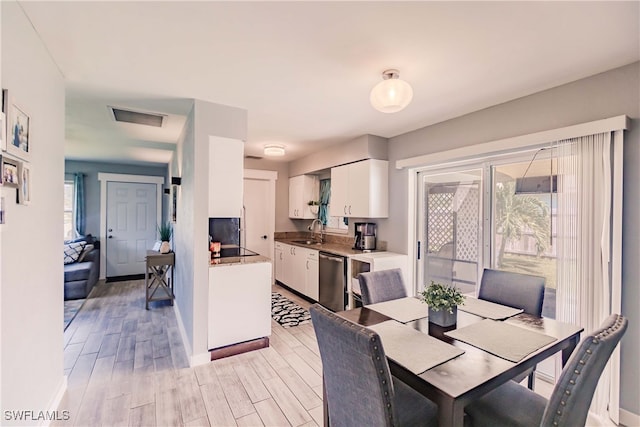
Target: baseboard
(628, 418)
(55, 403)
(194, 359)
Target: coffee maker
(365, 236)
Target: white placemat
(412, 349)
(502, 339)
(488, 309)
(402, 309)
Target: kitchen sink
(306, 242)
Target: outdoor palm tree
(517, 213)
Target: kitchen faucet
(312, 228)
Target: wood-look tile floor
(126, 366)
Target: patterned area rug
(286, 312)
(71, 308)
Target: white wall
(283, 222)
(191, 229)
(601, 96)
(31, 269)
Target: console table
(158, 284)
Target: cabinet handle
(349, 209)
(280, 256)
(307, 264)
(345, 209)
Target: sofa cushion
(85, 251)
(77, 271)
(72, 251)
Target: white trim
(412, 232)
(629, 418)
(105, 178)
(514, 143)
(194, 360)
(54, 406)
(261, 174)
(616, 268)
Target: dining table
(470, 375)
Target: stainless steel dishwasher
(333, 281)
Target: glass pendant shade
(392, 94)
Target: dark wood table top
(462, 379)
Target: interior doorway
(259, 200)
(105, 179)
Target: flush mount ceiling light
(274, 150)
(392, 94)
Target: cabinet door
(359, 190)
(338, 202)
(312, 275)
(296, 268)
(279, 263)
(295, 195)
(226, 170)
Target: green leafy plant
(439, 297)
(165, 231)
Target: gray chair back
(569, 403)
(357, 380)
(380, 286)
(513, 289)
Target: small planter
(443, 317)
(165, 248)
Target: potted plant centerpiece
(165, 231)
(443, 302)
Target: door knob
(264, 237)
(110, 236)
(110, 230)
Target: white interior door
(131, 226)
(258, 227)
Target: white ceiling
(303, 70)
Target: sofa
(81, 276)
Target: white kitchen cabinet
(312, 275)
(239, 303)
(280, 266)
(302, 189)
(360, 189)
(226, 170)
(298, 268)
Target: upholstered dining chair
(517, 290)
(514, 405)
(358, 385)
(380, 286)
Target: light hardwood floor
(127, 366)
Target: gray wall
(601, 96)
(92, 185)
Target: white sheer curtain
(584, 248)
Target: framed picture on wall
(3, 132)
(24, 191)
(10, 172)
(19, 132)
(174, 202)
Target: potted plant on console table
(443, 302)
(164, 230)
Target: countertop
(237, 260)
(333, 248)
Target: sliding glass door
(450, 228)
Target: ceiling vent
(137, 117)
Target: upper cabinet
(302, 190)
(360, 189)
(226, 169)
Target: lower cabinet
(297, 268)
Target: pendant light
(392, 94)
